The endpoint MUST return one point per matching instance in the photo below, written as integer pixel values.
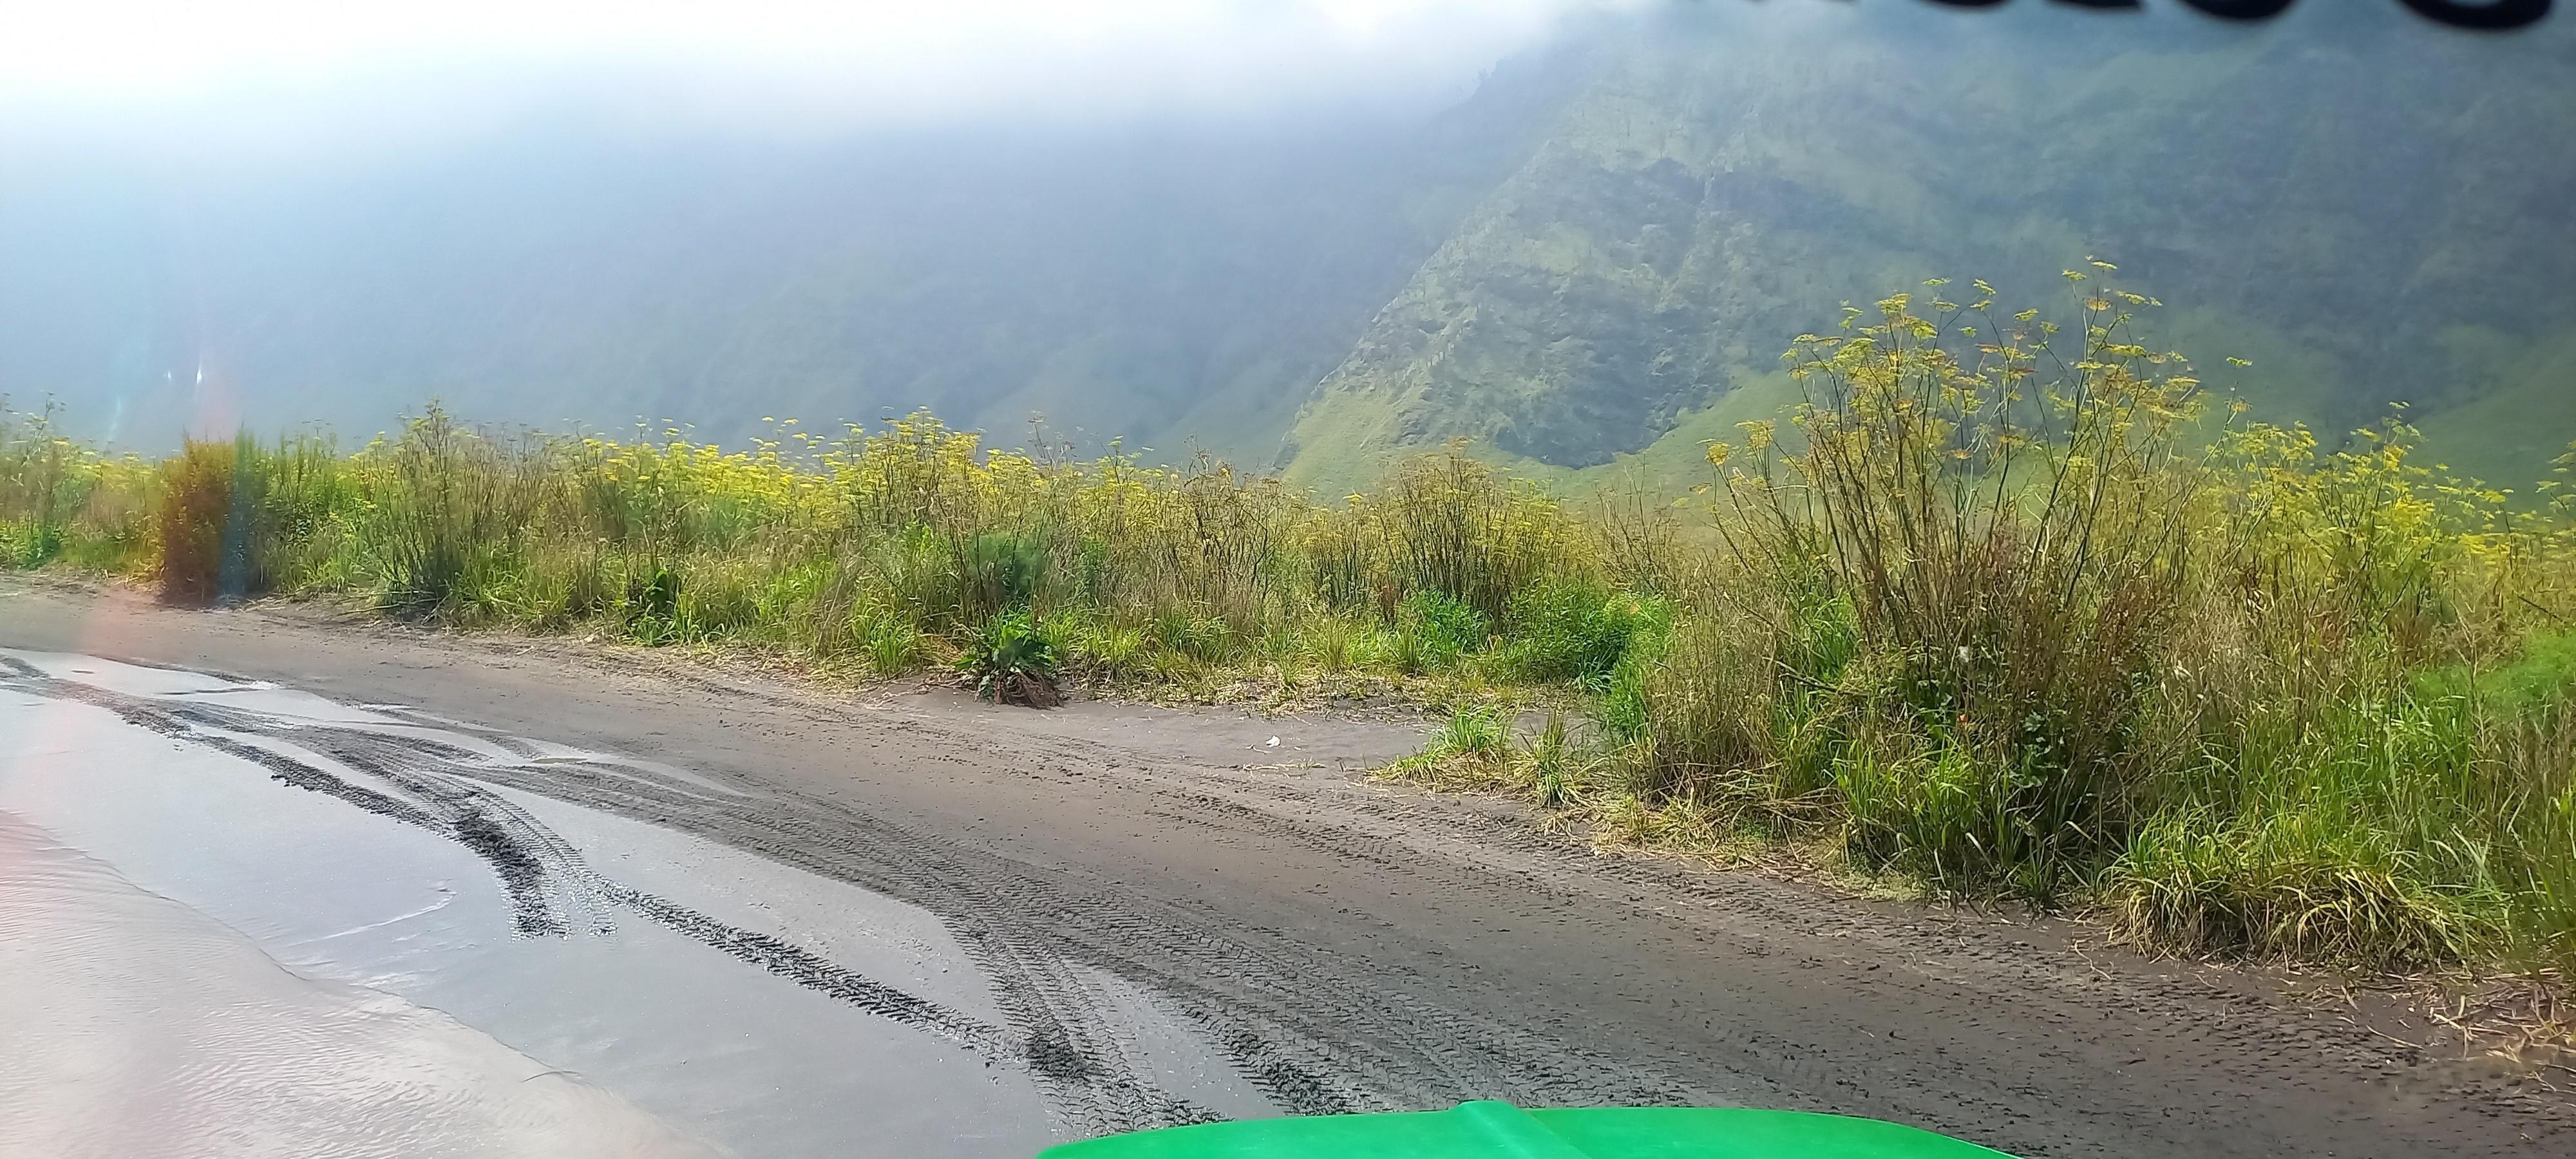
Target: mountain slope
(2366, 206)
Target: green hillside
(2347, 208)
(2528, 419)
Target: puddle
(139, 1027)
(422, 878)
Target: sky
(774, 62)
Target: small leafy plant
(1010, 662)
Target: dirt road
(1350, 946)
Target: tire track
(1705, 986)
(1314, 1031)
(1365, 1049)
(1055, 1034)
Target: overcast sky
(240, 64)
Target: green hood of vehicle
(1491, 1130)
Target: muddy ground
(1350, 945)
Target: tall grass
(61, 500)
(2002, 606)
(242, 518)
(2006, 610)
(886, 548)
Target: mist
(1165, 221)
(278, 212)
(211, 81)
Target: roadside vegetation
(2000, 609)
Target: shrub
(1190, 634)
(1434, 631)
(43, 479)
(1698, 716)
(2301, 886)
(1574, 629)
(2008, 621)
(998, 572)
(1330, 642)
(240, 518)
(197, 506)
(653, 606)
(1473, 743)
(1554, 767)
(892, 643)
(1454, 526)
(1009, 661)
(727, 602)
(1951, 814)
(29, 545)
(1111, 650)
(447, 510)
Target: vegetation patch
(2006, 605)
(2008, 608)
(1010, 662)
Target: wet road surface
(769, 1010)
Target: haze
(770, 65)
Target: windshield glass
(774, 579)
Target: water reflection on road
(468, 967)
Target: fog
(1164, 221)
(267, 73)
(277, 211)
(254, 83)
